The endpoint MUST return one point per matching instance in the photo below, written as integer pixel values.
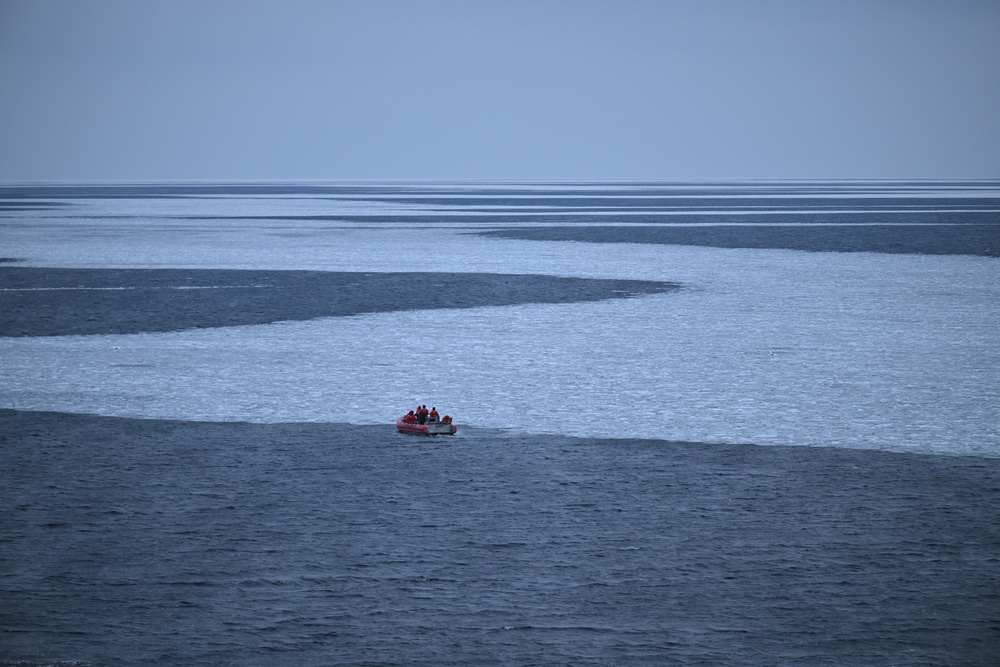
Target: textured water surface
(181, 543)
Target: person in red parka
(433, 416)
(410, 418)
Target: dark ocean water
(191, 542)
(848, 236)
(128, 542)
(59, 302)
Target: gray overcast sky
(616, 89)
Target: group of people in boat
(421, 415)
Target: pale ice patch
(771, 347)
(768, 346)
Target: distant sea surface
(699, 423)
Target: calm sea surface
(237, 495)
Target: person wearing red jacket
(433, 415)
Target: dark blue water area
(913, 237)
(59, 302)
(142, 542)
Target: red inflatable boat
(430, 428)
